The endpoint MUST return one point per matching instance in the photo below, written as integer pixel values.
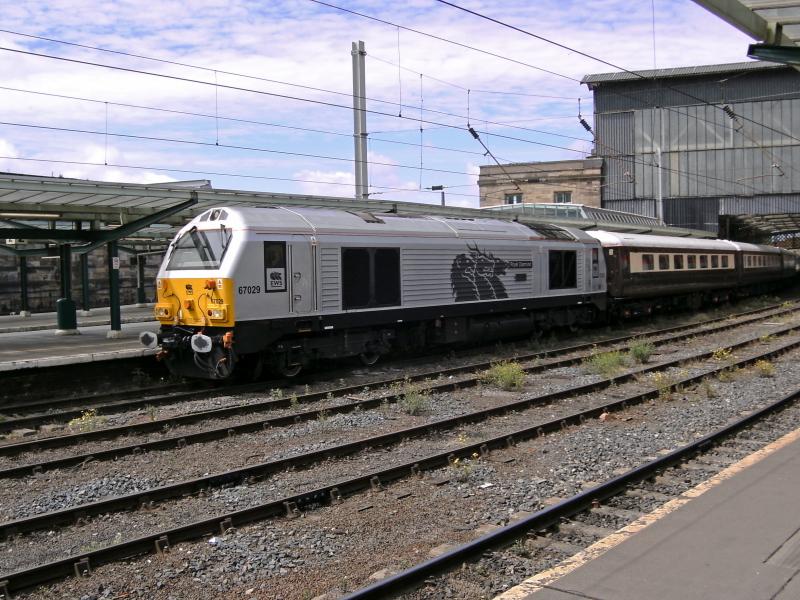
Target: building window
(562, 197)
(513, 198)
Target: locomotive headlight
(162, 312)
(159, 284)
(217, 314)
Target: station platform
(30, 342)
(734, 537)
(97, 316)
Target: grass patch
(507, 375)
(606, 364)
(412, 399)
(663, 383)
(641, 351)
(88, 421)
(721, 354)
(765, 368)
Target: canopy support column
(85, 302)
(141, 298)
(113, 290)
(24, 310)
(66, 316)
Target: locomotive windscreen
(199, 249)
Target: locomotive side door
(302, 274)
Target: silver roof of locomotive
(315, 221)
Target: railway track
(127, 400)
(473, 377)
(468, 375)
(565, 517)
(333, 492)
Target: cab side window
(275, 266)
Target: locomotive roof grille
(552, 232)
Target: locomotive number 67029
(249, 289)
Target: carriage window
(691, 261)
(678, 261)
(275, 266)
(563, 272)
(647, 262)
(714, 261)
(663, 262)
(370, 277)
(724, 261)
(703, 261)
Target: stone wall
(539, 182)
(44, 287)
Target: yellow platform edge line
(546, 578)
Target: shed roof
(696, 71)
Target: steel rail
(414, 576)
(157, 425)
(36, 420)
(243, 474)
(87, 399)
(180, 440)
(82, 564)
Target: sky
(258, 95)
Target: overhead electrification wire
(232, 119)
(213, 173)
(702, 101)
(466, 89)
(216, 72)
(314, 101)
(441, 39)
(254, 91)
(221, 145)
(596, 59)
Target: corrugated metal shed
(630, 93)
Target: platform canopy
(767, 228)
(774, 23)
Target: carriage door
(302, 274)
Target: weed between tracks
(88, 421)
(765, 368)
(507, 375)
(412, 398)
(605, 364)
(641, 351)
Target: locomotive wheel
(290, 370)
(368, 358)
